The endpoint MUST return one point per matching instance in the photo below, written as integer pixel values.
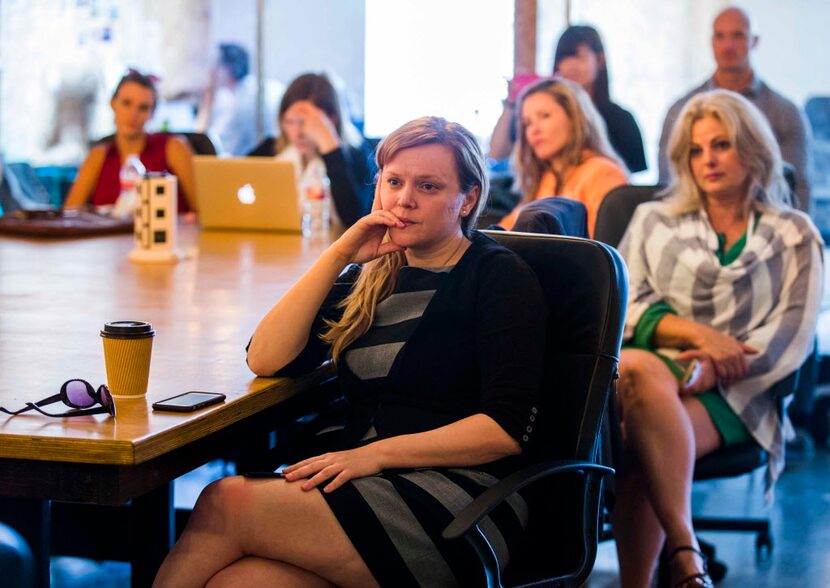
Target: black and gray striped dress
(447, 344)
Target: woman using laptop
(133, 103)
(438, 337)
(314, 135)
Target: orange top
(588, 182)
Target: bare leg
(660, 436)
(254, 571)
(637, 531)
(270, 519)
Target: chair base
(763, 541)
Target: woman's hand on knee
(727, 354)
(339, 467)
(705, 376)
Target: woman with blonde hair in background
(562, 151)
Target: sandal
(699, 580)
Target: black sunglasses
(80, 395)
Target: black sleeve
(511, 341)
(626, 138)
(352, 182)
(316, 351)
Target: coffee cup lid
(127, 329)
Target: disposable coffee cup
(127, 349)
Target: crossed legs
(664, 433)
(246, 532)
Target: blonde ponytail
(376, 281)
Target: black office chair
(738, 460)
(585, 284)
(617, 208)
(199, 142)
(17, 564)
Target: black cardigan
(478, 348)
(625, 136)
(351, 172)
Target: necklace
(454, 251)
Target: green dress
(731, 429)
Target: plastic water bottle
(316, 205)
(130, 175)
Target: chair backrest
(817, 109)
(616, 211)
(585, 285)
(553, 216)
(199, 142)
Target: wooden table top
(55, 295)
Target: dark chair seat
(732, 461)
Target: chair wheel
(763, 545)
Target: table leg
(31, 518)
(153, 518)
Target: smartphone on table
(189, 401)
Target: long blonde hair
(587, 132)
(750, 133)
(378, 277)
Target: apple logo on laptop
(246, 194)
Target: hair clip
(131, 71)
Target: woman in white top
(314, 136)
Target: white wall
(656, 49)
(75, 52)
(317, 35)
(422, 61)
(794, 46)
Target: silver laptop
(249, 193)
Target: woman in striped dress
(438, 340)
(725, 276)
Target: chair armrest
(495, 495)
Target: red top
(154, 159)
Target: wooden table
(55, 295)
